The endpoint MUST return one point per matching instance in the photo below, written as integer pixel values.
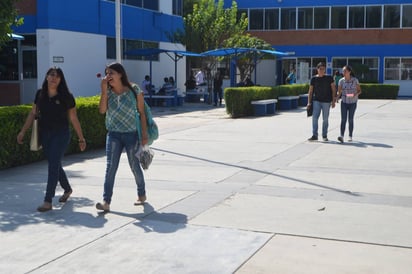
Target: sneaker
(340, 139)
(325, 139)
(313, 138)
(105, 206)
(65, 196)
(350, 139)
(46, 206)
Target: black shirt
(322, 90)
(54, 110)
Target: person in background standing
(322, 94)
(291, 79)
(217, 88)
(349, 89)
(336, 78)
(147, 85)
(118, 102)
(200, 78)
(56, 106)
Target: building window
(398, 68)
(373, 16)
(365, 69)
(305, 18)
(130, 45)
(272, 19)
(146, 4)
(356, 17)
(339, 17)
(288, 19)
(407, 16)
(391, 16)
(256, 19)
(178, 7)
(321, 18)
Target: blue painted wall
(98, 17)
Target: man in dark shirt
(322, 94)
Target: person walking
(322, 94)
(217, 89)
(118, 102)
(55, 106)
(349, 90)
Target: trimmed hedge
(12, 119)
(238, 98)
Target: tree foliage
(8, 19)
(246, 62)
(210, 24)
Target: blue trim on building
(98, 17)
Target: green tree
(8, 19)
(246, 62)
(210, 24)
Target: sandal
(46, 206)
(65, 196)
(141, 200)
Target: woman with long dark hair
(348, 90)
(55, 106)
(119, 100)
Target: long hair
(349, 68)
(62, 88)
(120, 69)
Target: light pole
(118, 32)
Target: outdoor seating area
(288, 102)
(264, 107)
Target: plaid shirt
(121, 112)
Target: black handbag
(309, 110)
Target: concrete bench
(194, 96)
(157, 100)
(303, 100)
(288, 102)
(264, 107)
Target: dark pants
(54, 144)
(217, 93)
(345, 111)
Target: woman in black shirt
(55, 105)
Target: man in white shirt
(200, 78)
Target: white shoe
(350, 139)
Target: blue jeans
(345, 110)
(115, 143)
(317, 108)
(54, 144)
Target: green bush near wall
(12, 119)
(238, 99)
(379, 91)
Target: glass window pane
(373, 16)
(256, 19)
(339, 15)
(371, 62)
(391, 16)
(136, 3)
(406, 67)
(392, 66)
(8, 61)
(305, 18)
(356, 17)
(321, 18)
(288, 18)
(29, 64)
(339, 63)
(111, 48)
(151, 4)
(272, 19)
(407, 16)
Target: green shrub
(238, 99)
(379, 91)
(12, 119)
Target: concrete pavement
(247, 195)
